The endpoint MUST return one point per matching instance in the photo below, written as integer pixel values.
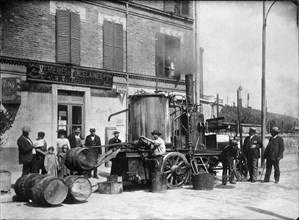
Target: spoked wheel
(176, 167)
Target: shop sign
(11, 90)
(69, 75)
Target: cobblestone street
(244, 200)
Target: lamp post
(265, 15)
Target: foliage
(6, 121)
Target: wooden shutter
(169, 6)
(118, 47)
(62, 36)
(75, 38)
(160, 55)
(108, 44)
(185, 8)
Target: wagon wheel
(176, 167)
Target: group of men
(28, 158)
(251, 152)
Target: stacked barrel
(47, 190)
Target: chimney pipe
(189, 89)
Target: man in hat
(115, 139)
(158, 147)
(25, 147)
(75, 138)
(93, 140)
(273, 153)
(228, 156)
(251, 149)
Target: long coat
(96, 142)
(275, 148)
(248, 143)
(73, 141)
(113, 140)
(25, 150)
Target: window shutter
(108, 44)
(160, 55)
(185, 8)
(75, 38)
(62, 36)
(169, 6)
(178, 56)
(118, 47)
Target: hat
(92, 129)
(252, 129)
(115, 132)
(156, 132)
(275, 129)
(41, 134)
(26, 129)
(233, 142)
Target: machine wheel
(176, 167)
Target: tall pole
(263, 116)
(239, 117)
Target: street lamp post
(265, 15)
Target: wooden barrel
(158, 182)
(30, 182)
(79, 188)
(80, 159)
(49, 191)
(20, 188)
(203, 181)
(5, 180)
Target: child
(64, 171)
(40, 146)
(61, 141)
(51, 162)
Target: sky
(231, 36)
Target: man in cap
(158, 147)
(25, 147)
(273, 153)
(252, 145)
(228, 156)
(115, 139)
(93, 140)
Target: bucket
(79, 188)
(203, 181)
(80, 159)
(158, 182)
(49, 190)
(5, 180)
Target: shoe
(249, 180)
(224, 184)
(253, 181)
(232, 182)
(96, 177)
(265, 181)
(276, 182)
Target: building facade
(68, 64)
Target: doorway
(70, 111)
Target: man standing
(75, 138)
(115, 139)
(273, 153)
(157, 145)
(93, 140)
(26, 149)
(229, 154)
(252, 145)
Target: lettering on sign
(69, 75)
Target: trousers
(269, 164)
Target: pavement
(244, 200)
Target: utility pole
(239, 118)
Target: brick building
(72, 64)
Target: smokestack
(189, 89)
(247, 100)
(201, 50)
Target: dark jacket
(73, 142)
(25, 150)
(275, 148)
(96, 142)
(113, 141)
(248, 143)
(229, 152)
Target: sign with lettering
(11, 90)
(69, 75)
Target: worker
(115, 139)
(157, 148)
(252, 145)
(273, 154)
(93, 140)
(228, 157)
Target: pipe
(116, 113)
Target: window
(67, 37)
(113, 45)
(177, 7)
(168, 56)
